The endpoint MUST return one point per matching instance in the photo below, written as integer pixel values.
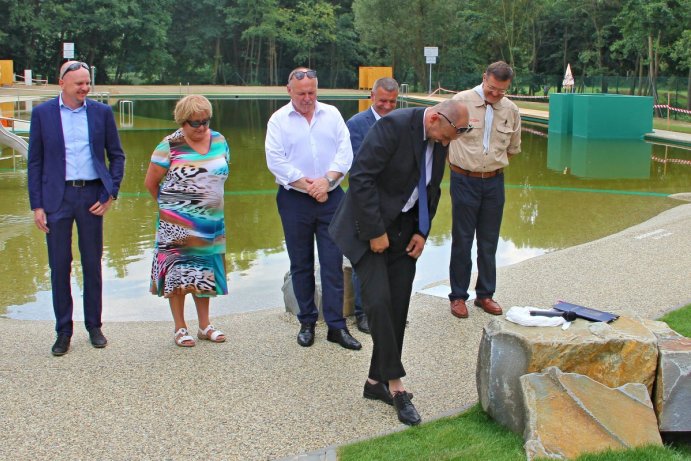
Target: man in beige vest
(477, 163)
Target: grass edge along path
(473, 435)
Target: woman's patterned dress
(189, 256)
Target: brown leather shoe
(488, 305)
(459, 309)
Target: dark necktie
(423, 212)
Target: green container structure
(561, 113)
(601, 116)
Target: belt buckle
(482, 175)
(78, 182)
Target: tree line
(257, 42)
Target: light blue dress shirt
(75, 130)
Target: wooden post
(668, 110)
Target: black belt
(475, 174)
(81, 182)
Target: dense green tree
(259, 41)
(681, 52)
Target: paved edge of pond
(260, 396)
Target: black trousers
(386, 283)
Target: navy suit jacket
(47, 165)
(383, 177)
(358, 125)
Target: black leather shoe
(379, 391)
(407, 414)
(343, 338)
(97, 338)
(61, 346)
(306, 335)
(362, 323)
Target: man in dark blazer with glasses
(70, 181)
(382, 225)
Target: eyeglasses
(198, 123)
(300, 74)
(494, 89)
(74, 66)
(461, 130)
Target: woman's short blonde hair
(190, 105)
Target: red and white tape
(673, 109)
(679, 161)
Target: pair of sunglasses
(461, 130)
(74, 66)
(198, 123)
(300, 74)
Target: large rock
(624, 351)
(672, 397)
(291, 303)
(568, 414)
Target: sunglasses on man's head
(74, 66)
(198, 123)
(461, 130)
(300, 74)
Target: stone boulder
(621, 352)
(291, 303)
(569, 414)
(672, 396)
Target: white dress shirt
(428, 169)
(296, 148)
(489, 118)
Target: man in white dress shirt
(308, 151)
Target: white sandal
(183, 339)
(212, 334)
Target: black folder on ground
(585, 312)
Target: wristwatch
(332, 182)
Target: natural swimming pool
(560, 193)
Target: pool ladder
(126, 109)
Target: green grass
(679, 320)
(473, 435)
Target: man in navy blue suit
(69, 181)
(384, 96)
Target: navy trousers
(75, 208)
(386, 281)
(304, 220)
(477, 209)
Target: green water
(559, 194)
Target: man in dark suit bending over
(69, 181)
(382, 225)
(384, 96)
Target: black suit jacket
(384, 175)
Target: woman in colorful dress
(186, 176)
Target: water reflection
(599, 158)
(545, 210)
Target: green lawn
(473, 435)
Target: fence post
(668, 109)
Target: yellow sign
(6, 72)
(369, 75)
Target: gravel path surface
(260, 396)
